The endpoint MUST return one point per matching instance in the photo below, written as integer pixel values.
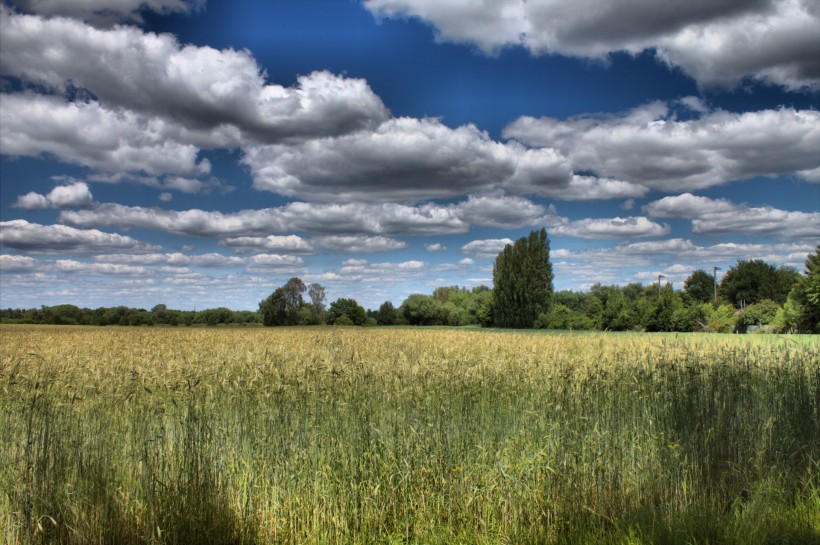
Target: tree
(348, 308)
(317, 303)
(804, 298)
(420, 309)
(755, 280)
(282, 306)
(666, 306)
(386, 314)
(700, 286)
(522, 281)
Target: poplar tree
(522, 281)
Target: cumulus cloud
(435, 247)
(502, 211)
(202, 88)
(649, 147)
(359, 244)
(486, 248)
(716, 42)
(330, 219)
(611, 228)
(176, 259)
(91, 135)
(14, 263)
(274, 262)
(64, 196)
(404, 159)
(290, 244)
(106, 12)
(720, 216)
(72, 266)
(33, 237)
(639, 254)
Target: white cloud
(649, 147)
(435, 247)
(290, 244)
(486, 248)
(71, 266)
(687, 206)
(32, 201)
(404, 159)
(103, 12)
(720, 216)
(12, 263)
(33, 237)
(202, 88)
(611, 228)
(331, 219)
(718, 42)
(75, 194)
(506, 212)
(175, 259)
(268, 262)
(91, 135)
(359, 243)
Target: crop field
(412, 436)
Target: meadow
(406, 436)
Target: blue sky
(199, 154)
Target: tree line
(752, 295)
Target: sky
(199, 154)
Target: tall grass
(349, 436)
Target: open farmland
(349, 436)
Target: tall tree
(700, 286)
(282, 306)
(317, 302)
(805, 296)
(387, 314)
(755, 280)
(522, 281)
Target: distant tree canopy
(700, 286)
(387, 315)
(522, 281)
(615, 308)
(753, 281)
(282, 306)
(801, 312)
(346, 310)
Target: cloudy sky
(199, 154)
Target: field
(354, 436)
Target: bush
(343, 320)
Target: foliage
(282, 306)
(426, 310)
(522, 281)
(700, 286)
(720, 319)
(563, 317)
(762, 313)
(343, 310)
(755, 280)
(317, 303)
(804, 298)
(387, 314)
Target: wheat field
(412, 436)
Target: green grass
(351, 436)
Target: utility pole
(714, 275)
(659, 284)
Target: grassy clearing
(351, 436)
